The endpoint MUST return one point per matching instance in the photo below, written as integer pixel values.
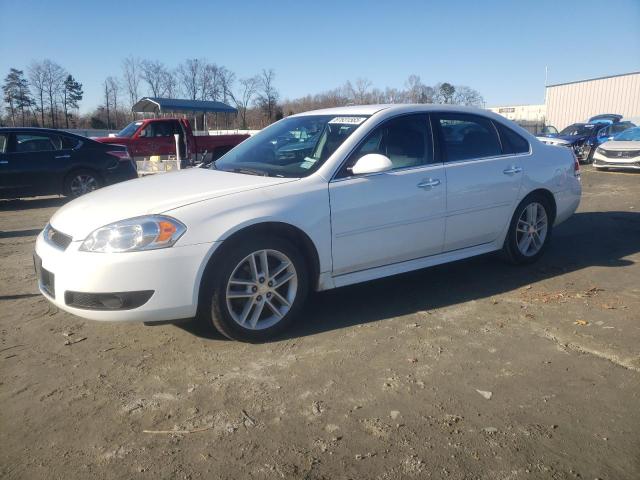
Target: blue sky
(498, 47)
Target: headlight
(600, 150)
(135, 234)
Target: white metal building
(521, 113)
(572, 102)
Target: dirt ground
(474, 370)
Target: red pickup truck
(145, 138)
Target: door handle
(4, 162)
(62, 156)
(512, 170)
(430, 183)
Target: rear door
(483, 180)
(34, 163)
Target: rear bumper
(567, 201)
(173, 274)
(125, 171)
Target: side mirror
(372, 163)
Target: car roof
(396, 108)
(38, 130)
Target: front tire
(529, 230)
(256, 289)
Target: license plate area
(46, 279)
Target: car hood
(621, 145)
(153, 194)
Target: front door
(394, 216)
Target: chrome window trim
(384, 120)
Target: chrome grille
(56, 238)
(621, 154)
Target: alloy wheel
(83, 183)
(261, 289)
(531, 229)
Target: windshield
(630, 135)
(579, 129)
(129, 130)
(293, 147)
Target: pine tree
(72, 94)
(16, 94)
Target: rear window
(511, 141)
(466, 136)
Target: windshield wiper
(249, 171)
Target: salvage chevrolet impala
(316, 201)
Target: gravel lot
(471, 370)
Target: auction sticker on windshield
(348, 120)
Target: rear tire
(529, 230)
(80, 182)
(255, 290)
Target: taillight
(120, 156)
(576, 164)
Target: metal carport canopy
(176, 105)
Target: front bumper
(173, 274)
(600, 161)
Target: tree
(72, 94)
(107, 97)
(54, 76)
(16, 94)
(37, 75)
(190, 74)
(209, 82)
(248, 88)
(169, 84)
(113, 86)
(446, 91)
(131, 71)
(267, 95)
(417, 92)
(153, 73)
(467, 96)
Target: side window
(467, 136)
(3, 142)
(27, 142)
(511, 141)
(69, 143)
(405, 140)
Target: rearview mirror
(372, 163)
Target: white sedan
(623, 152)
(316, 201)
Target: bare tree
(417, 92)
(169, 84)
(227, 79)
(153, 73)
(190, 76)
(131, 71)
(467, 96)
(113, 86)
(107, 98)
(246, 92)
(37, 76)
(209, 81)
(54, 76)
(267, 94)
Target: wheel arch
(547, 195)
(282, 229)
